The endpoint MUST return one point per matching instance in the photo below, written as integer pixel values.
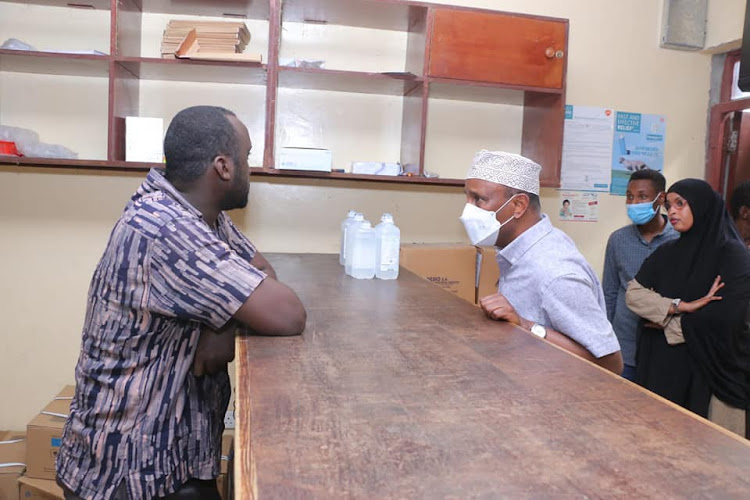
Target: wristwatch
(676, 303)
(539, 331)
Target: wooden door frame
(717, 128)
(717, 121)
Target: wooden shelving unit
(449, 53)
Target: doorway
(729, 128)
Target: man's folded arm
(272, 309)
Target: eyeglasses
(678, 204)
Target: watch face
(539, 331)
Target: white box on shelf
(144, 139)
(313, 159)
(376, 168)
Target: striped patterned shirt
(139, 414)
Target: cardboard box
(312, 159)
(227, 459)
(12, 460)
(44, 434)
(488, 274)
(450, 266)
(39, 489)
(144, 139)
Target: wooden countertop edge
(243, 455)
(643, 390)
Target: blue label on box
(56, 442)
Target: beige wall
(726, 20)
(55, 223)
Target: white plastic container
(351, 229)
(389, 246)
(344, 226)
(364, 252)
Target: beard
(237, 197)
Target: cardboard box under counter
(227, 452)
(12, 460)
(44, 435)
(488, 274)
(38, 489)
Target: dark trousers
(194, 489)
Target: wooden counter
(397, 389)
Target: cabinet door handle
(559, 54)
(550, 52)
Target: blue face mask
(642, 213)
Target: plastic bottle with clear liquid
(389, 246)
(364, 252)
(351, 230)
(344, 226)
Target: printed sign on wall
(587, 148)
(579, 206)
(638, 144)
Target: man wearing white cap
(546, 286)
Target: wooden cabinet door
(500, 48)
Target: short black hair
(566, 201)
(740, 198)
(533, 198)
(195, 137)
(656, 178)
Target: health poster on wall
(579, 206)
(587, 148)
(638, 144)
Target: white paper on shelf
(143, 139)
(376, 168)
(78, 52)
(311, 159)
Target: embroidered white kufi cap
(508, 169)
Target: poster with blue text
(638, 144)
(587, 148)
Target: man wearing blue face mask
(546, 286)
(627, 248)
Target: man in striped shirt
(176, 280)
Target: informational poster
(638, 143)
(587, 148)
(579, 206)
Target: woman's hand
(688, 307)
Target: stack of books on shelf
(214, 40)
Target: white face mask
(481, 225)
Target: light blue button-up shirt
(547, 281)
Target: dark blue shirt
(626, 251)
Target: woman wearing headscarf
(693, 294)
